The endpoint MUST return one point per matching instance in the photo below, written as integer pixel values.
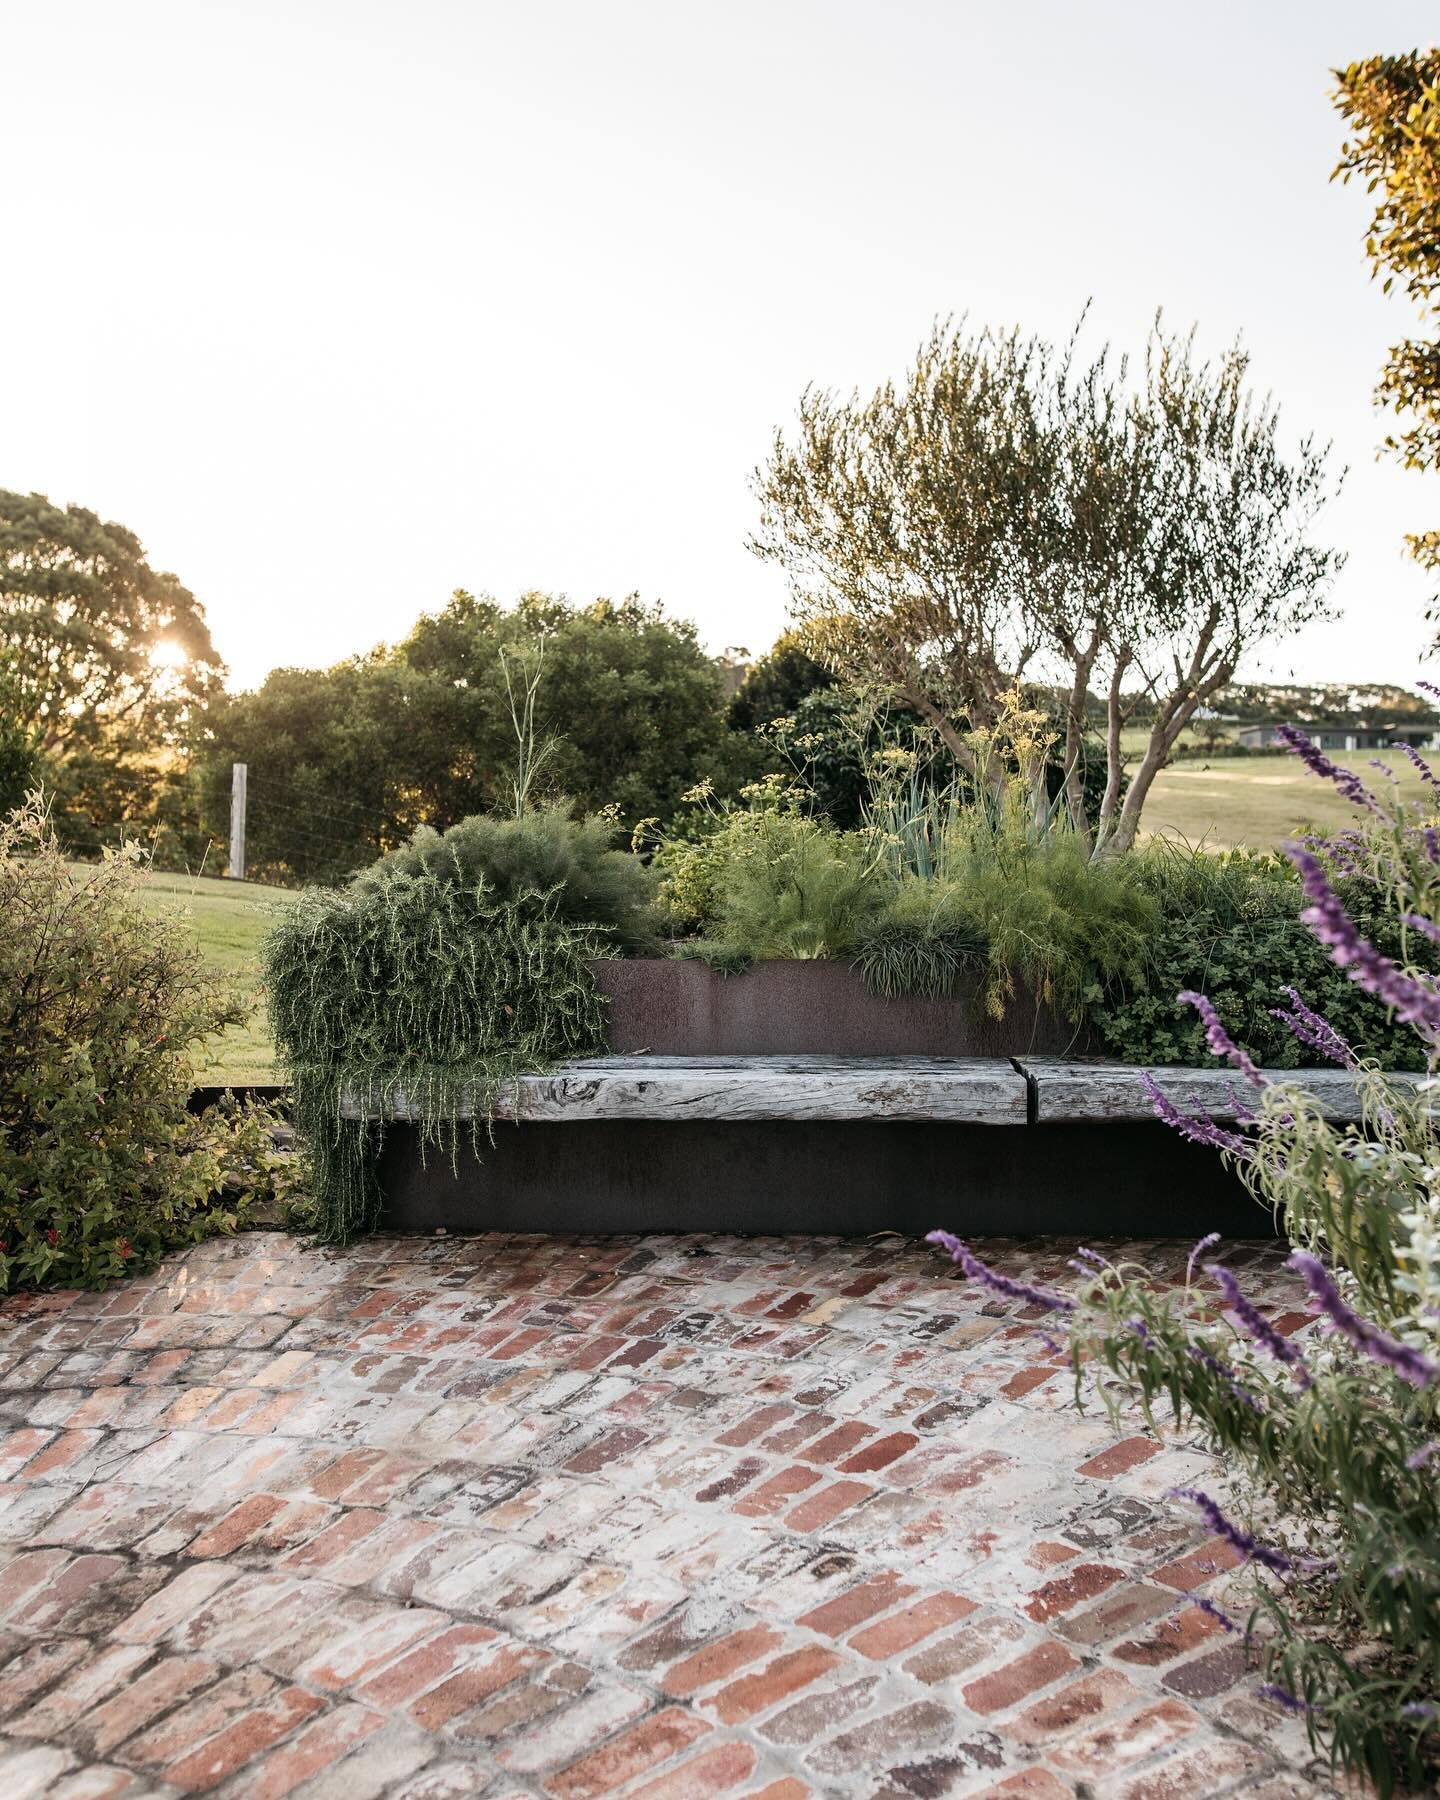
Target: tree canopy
(1391, 105)
(1012, 512)
(82, 617)
(345, 762)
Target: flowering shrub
(102, 1006)
(1332, 1437)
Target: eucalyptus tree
(1014, 511)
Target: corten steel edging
(671, 1007)
(846, 1178)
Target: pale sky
(340, 306)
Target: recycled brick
(624, 1758)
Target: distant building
(1345, 737)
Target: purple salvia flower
(1429, 687)
(1414, 1002)
(1418, 763)
(1313, 1029)
(1199, 1354)
(1219, 1039)
(1194, 1126)
(1410, 1365)
(1256, 1326)
(961, 1253)
(1093, 1257)
(1283, 1697)
(1142, 1331)
(1218, 1613)
(1234, 1535)
(1432, 843)
(1208, 1242)
(1417, 1459)
(1426, 927)
(1420, 1709)
(1053, 1345)
(1315, 759)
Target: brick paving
(661, 1517)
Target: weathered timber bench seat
(834, 1144)
(963, 1089)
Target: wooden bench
(956, 1090)
(832, 1144)
(970, 1090)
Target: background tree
(345, 762)
(82, 616)
(1392, 106)
(1012, 513)
(20, 761)
(776, 683)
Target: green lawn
(1261, 801)
(228, 919)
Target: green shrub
(1055, 922)
(1229, 926)
(794, 887)
(539, 852)
(423, 984)
(102, 1008)
(1328, 1440)
(921, 943)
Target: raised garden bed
(788, 1099)
(683, 1008)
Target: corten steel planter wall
(672, 1008)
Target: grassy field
(229, 919)
(1260, 801)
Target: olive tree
(1015, 512)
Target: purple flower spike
(1283, 1697)
(1234, 1535)
(1410, 1365)
(1256, 1326)
(1417, 1459)
(998, 1284)
(1426, 927)
(1194, 1126)
(1142, 1331)
(1313, 1029)
(1208, 1242)
(1420, 1709)
(1418, 763)
(1197, 1353)
(1414, 1002)
(1318, 763)
(1218, 1613)
(1219, 1039)
(1432, 844)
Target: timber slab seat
(834, 1144)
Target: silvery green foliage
(433, 986)
(1330, 1436)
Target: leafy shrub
(921, 943)
(1329, 1440)
(1055, 922)
(427, 985)
(102, 1008)
(1229, 926)
(595, 885)
(794, 887)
